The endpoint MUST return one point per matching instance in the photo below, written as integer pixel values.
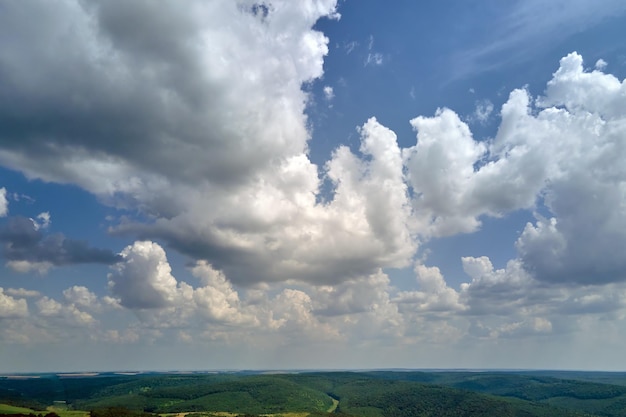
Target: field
(364, 394)
(11, 409)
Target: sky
(320, 184)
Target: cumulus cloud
(12, 307)
(434, 294)
(143, 279)
(275, 229)
(135, 85)
(65, 313)
(27, 248)
(224, 134)
(354, 296)
(194, 117)
(81, 297)
(587, 183)
(217, 299)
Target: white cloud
(587, 179)
(115, 336)
(29, 266)
(329, 94)
(350, 46)
(22, 292)
(49, 307)
(216, 299)
(483, 110)
(81, 297)
(231, 131)
(440, 172)
(42, 221)
(143, 279)
(374, 58)
(11, 307)
(434, 295)
(211, 96)
(4, 203)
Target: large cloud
(203, 129)
(275, 229)
(146, 95)
(203, 132)
(582, 240)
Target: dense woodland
(366, 394)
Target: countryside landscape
(387, 393)
(312, 208)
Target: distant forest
(316, 394)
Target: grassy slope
(12, 409)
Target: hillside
(366, 394)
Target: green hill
(246, 394)
(365, 394)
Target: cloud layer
(202, 136)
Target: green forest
(315, 394)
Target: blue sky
(312, 185)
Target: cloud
(580, 240)
(66, 314)
(143, 280)
(434, 295)
(195, 132)
(483, 110)
(22, 292)
(42, 221)
(350, 46)
(133, 86)
(524, 26)
(329, 94)
(216, 299)
(26, 248)
(10, 307)
(24, 267)
(194, 118)
(275, 229)
(374, 58)
(4, 203)
(360, 295)
(81, 297)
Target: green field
(12, 409)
